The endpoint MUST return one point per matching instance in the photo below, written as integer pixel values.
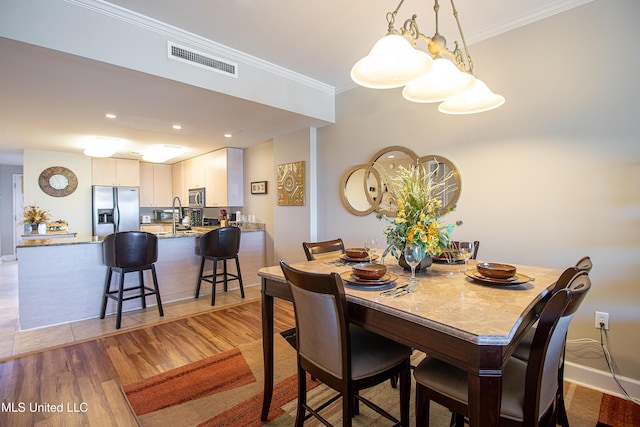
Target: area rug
(617, 412)
(193, 381)
(224, 384)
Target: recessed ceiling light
(227, 135)
(177, 127)
(110, 116)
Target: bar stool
(126, 252)
(220, 244)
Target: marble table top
(447, 300)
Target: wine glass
(370, 246)
(465, 249)
(413, 254)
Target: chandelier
(441, 76)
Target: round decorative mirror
(363, 188)
(445, 169)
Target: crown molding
(205, 45)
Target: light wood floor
(86, 375)
(14, 342)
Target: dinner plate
(352, 279)
(517, 279)
(344, 257)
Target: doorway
(18, 209)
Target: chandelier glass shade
(392, 62)
(476, 100)
(443, 76)
(443, 81)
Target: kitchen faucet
(173, 214)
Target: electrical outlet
(601, 318)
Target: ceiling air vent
(202, 60)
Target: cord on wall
(611, 364)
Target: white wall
(75, 208)
(258, 166)
(292, 224)
(549, 177)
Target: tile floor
(14, 342)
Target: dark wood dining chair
(343, 356)
(529, 388)
(524, 347)
(312, 249)
(476, 245)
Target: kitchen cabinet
(224, 177)
(155, 185)
(194, 172)
(115, 172)
(177, 183)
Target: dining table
(459, 317)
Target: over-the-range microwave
(197, 198)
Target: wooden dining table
(470, 324)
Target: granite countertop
(79, 238)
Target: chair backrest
(476, 245)
(322, 332)
(311, 249)
(221, 242)
(541, 382)
(585, 264)
(130, 249)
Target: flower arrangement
(417, 198)
(34, 215)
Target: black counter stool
(220, 244)
(125, 252)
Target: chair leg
(239, 276)
(107, 286)
(214, 280)
(157, 289)
(200, 277)
(224, 273)
(142, 290)
(302, 397)
(120, 296)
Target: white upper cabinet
(115, 172)
(155, 185)
(224, 177)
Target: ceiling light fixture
(227, 135)
(177, 127)
(162, 153)
(444, 76)
(103, 146)
(110, 116)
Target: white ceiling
(48, 96)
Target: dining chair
(524, 347)
(529, 388)
(326, 248)
(343, 356)
(476, 245)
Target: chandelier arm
(464, 42)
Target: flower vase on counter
(42, 228)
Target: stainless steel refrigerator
(115, 209)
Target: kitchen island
(62, 280)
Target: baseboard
(8, 258)
(600, 380)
